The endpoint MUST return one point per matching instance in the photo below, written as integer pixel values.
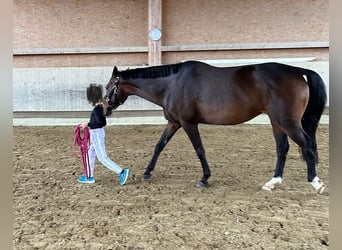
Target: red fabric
(83, 143)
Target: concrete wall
(63, 89)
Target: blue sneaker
(123, 176)
(84, 179)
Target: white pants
(97, 148)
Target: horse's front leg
(195, 138)
(168, 132)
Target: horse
(194, 92)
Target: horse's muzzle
(109, 106)
(109, 109)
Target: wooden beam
(93, 50)
(246, 46)
(154, 24)
(171, 48)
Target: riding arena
(220, 109)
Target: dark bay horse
(194, 92)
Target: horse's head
(114, 94)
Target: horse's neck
(152, 90)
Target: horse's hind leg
(282, 145)
(195, 138)
(308, 148)
(169, 131)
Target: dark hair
(94, 93)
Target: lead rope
(83, 143)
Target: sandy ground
(52, 211)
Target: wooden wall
(45, 30)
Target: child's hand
(84, 125)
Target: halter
(83, 143)
(114, 91)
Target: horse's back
(216, 95)
(231, 95)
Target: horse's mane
(152, 72)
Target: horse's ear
(115, 72)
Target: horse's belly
(223, 117)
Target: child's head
(94, 93)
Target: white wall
(64, 89)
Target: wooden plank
(172, 48)
(58, 51)
(245, 46)
(154, 22)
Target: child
(97, 137)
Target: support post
(154, 32)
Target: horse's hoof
(267, 187)
(271, 184)
(321, 189)
(318, 185)
(202, 184)
(146, 177)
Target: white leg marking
(268, 186)
(318, 185)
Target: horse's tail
(315, 107)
